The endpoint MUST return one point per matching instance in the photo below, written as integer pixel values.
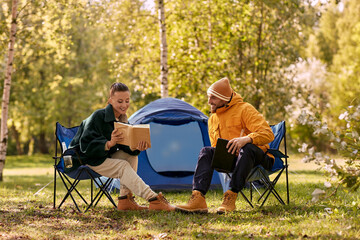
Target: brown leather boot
(128, 203)
(228, 204)
(160, 203)
(196, 204)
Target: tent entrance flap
(175, 148)
(178, 131)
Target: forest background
(294, 60)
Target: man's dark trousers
(251, 157)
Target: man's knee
(206, 152)
(249, 147)
(252, 150)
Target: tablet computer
(223, 161)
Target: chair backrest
(279, 131)
(64, 136)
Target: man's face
(120, 102)
(215, 102)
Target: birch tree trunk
(163, 51)
(6, 91)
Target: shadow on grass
(25, 215)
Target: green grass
(23, 161)
(27, 215)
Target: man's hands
(235, 144)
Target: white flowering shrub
(344, 138)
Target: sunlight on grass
(23, 161)
(27, 212)
(28, 171)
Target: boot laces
(132, 199)
(227, 199)
(163, 199)
(192, 198)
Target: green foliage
(345, 139)
(338, 38)
(325, 91)
(61, 72)
(69, 52)
(348, 145)
(252, 43)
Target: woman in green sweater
(96, 142)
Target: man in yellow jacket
(248, 134)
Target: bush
(344, 138)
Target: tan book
(133, 134)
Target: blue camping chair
(259, 173)
(71, 179)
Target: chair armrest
(277, 153)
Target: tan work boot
(196, 204)
(160, 203)
(128, 203)
(228, 204)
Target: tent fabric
(165, 115)
(167, 111)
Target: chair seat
(84, 174)
(259, 173)
(71, 179)
(255, 173)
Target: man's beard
(215, 108)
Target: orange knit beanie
(221, 89)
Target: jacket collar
(236, 98)
(109, 114)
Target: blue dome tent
(178, 132)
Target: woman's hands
(116, 136)
(142, 146)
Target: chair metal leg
(69, 190)
(243, 195)
(101, 192)
(104, 191)
(54, 206)
(251, 192)
(270, 188)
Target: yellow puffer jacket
(227, 122)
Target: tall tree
(251, 42)
(336, 42)
(163, 50)
(7, 86)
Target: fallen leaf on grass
(161, 236)
(317, 194)
(328, 210)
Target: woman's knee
(123, 166)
